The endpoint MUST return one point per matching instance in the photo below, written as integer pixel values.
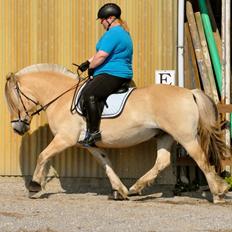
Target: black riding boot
(93, 117)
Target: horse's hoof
(34, 187)
(219, 199)
(116, 196)
(133, 192)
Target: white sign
(166, 77)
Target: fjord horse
(168, 112)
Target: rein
(53, 100)
(56, 98)
(20, 94)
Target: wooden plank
(224, 108)
(192, 79)
(198, 49)
(188, 70)
(206, 57)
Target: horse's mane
(46, 68)
(11, 96)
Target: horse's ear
(10, 77)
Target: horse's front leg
(58, 144)
(116, 183)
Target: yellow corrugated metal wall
(66, 31)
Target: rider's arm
(98, 59)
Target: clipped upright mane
(46, 68)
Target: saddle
(112, 107)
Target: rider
(109, 68)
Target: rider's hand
(84, 66)
(90, 72)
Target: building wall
(66, 31)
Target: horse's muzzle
(20, 127)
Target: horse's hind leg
(116, 183)
(217, 185)
(164, 144)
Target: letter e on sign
(166, 77)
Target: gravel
(58, 211)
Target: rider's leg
(93, 117)
(95, 92)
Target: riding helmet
(109, 9)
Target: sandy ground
(58, 211)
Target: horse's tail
(209, 130)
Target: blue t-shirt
(118, 44)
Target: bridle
(20, 93)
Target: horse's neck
(47, 86)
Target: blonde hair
(123, 24)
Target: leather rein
(44, 107)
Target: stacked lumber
(199, 71)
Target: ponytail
(123, 24)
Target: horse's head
(20, 103)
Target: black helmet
(109, 9)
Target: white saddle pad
(114, 103)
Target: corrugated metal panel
(65, 31)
